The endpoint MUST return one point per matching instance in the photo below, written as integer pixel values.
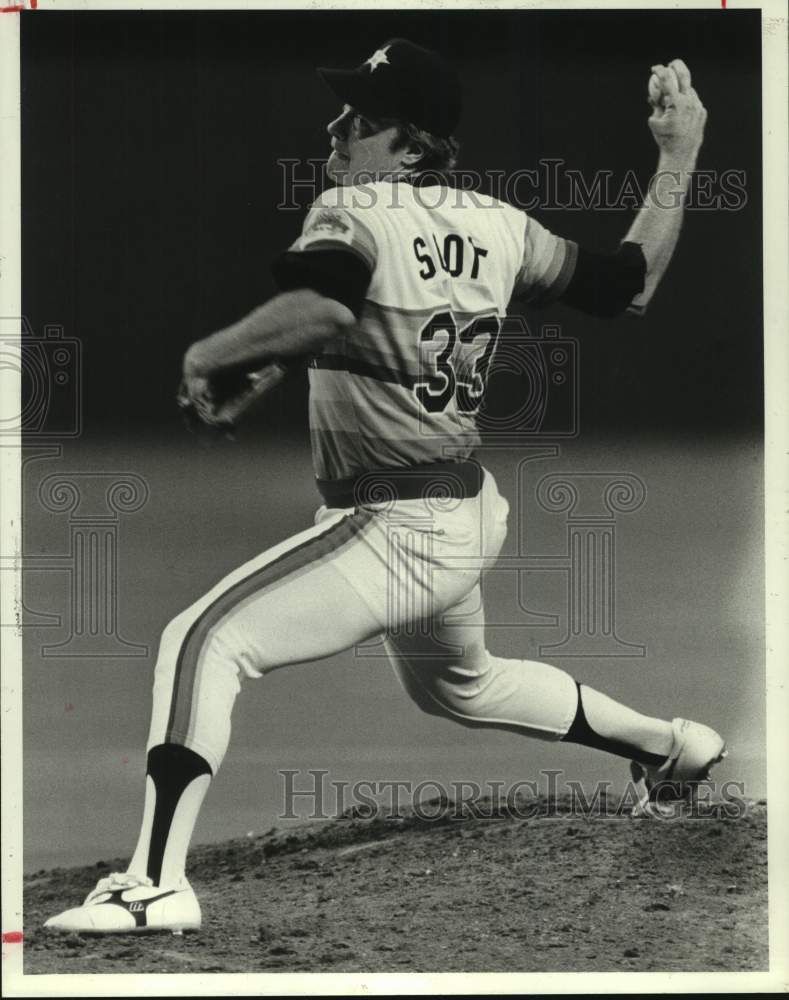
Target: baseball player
(395, 290)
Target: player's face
(361, 148)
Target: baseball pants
(407, 570)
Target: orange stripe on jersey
(404, 385)
(547, 266)
(360, 421)
(358, 366)
(558, 274)
(358, 453)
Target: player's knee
(446, 703)
(222, 648)
(456, 691)
(464, 706)
(228, 648)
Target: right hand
(220, 401)
(254, 386)
(677, 120)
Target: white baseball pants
(409, 570)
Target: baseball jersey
(403, 386)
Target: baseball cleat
(126, 904)
(696, 749)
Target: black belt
(412, 482)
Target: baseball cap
(405, 81)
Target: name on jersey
(452, 254)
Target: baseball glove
(215, 404)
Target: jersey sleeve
(547, 264)
(335, 221)
(335, 254)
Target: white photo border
(776, 324)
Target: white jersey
(403, 386)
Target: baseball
(656, 92)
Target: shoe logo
(137, 907)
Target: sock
(604, 724)
(175, 786)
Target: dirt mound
(473, 889)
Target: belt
(412, 482)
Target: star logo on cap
(378, 57)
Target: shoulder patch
(328, 223)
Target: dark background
(150, 187)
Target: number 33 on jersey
(403, 387)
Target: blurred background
(152, 198)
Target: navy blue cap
(404, 81)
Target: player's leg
(445, 668)
(292, 604)
(442, 660)
(444, 665)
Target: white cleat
(696, 749)
(126, 904)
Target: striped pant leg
(290, 604)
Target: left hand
(678, 116)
